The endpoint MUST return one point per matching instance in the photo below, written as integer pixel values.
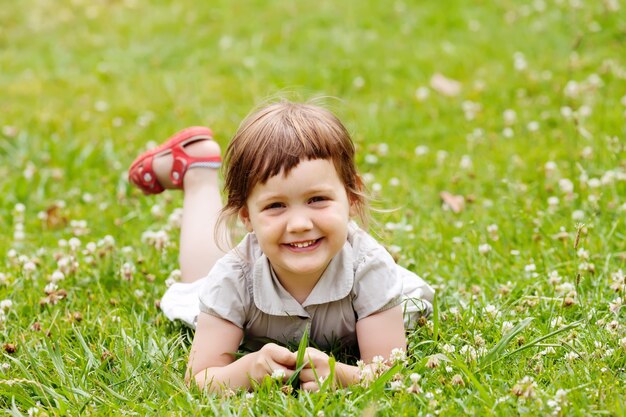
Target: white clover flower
(368, 178)
(491, 310)
(514, 252)
(366, 376)
(507, 326)
(74, 243)
(421, 150)
(394, 182)
(484, 249)
(550, 167)
(556, 322)
(448, 348)
(468, 351)
(578, 215)
(571, 356)
(525, 388)
(554, 278)
(566, 185)
(29, 266)
(397, 355)
(519, 61)
(582, 253)
(371, 159)
(422, 93)
(50, 288)
(91, 247)
(396, 385)
(6, 305)
(127, 270)
(108, 241)
(615, 305)
(377, 187)
(622, 343)
(508, 132)
(530, 267)
(553, 201)
(533, 126)
(510, 116)
(466, 162)
(594, 183)
(613, 326)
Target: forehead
(307, 176)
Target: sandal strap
(183, 161)
(145, 177)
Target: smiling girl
(290, 178)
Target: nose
(299, 221)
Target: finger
(306, 375)
(310, 386)
(283, 356)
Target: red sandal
(142, 175)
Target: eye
(274, 206)
(317, 199)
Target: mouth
(304, 244)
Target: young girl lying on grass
(291, 179)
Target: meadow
(492, 138)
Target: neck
(299, 287)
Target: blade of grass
(492, 355)
(304, 343)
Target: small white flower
(448, 348)
(571, 356)
(397, 355)
(6, 305)
(422, 93)
(566, 185)
(509, 116)
(371, 159)
(466, 162)
(578, 215)
(507, 326)
(396, 385)
(553, 201)
(29, 266)
(50, 288)
(530, 268)
(421, 150)
(74, 243)
(484, 248)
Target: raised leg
(201, 206)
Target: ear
(244, 216)
(353, 208)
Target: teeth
(303, 244)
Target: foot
(162, 165)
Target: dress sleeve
(377, 285)
(225, 292)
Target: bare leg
(201, 206)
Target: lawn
(516, 109)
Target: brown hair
(275, 138)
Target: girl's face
(300, 220)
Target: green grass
(85, 85)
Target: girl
(290, 178)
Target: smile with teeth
(303, 244)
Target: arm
(212, 364)
(377, 335)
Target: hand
(315, 371)
(272, 359)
